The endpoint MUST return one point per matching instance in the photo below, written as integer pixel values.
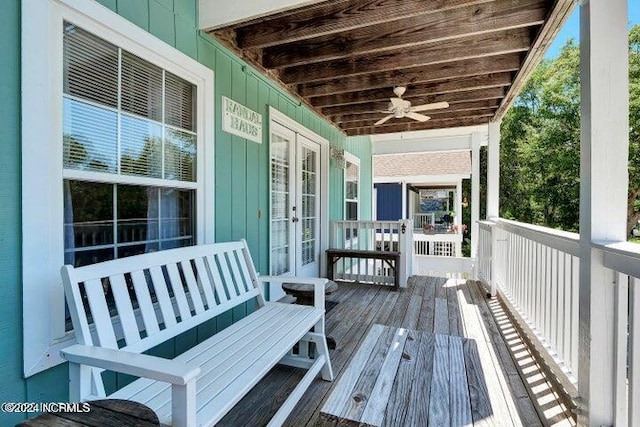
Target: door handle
(294, 219)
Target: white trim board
(42, 172)
(423, 179)
(217, 13)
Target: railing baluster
(621, 319)
(634, 354)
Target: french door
(295, 203)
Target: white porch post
(458, 206)
(404, 200)
(604, 145)
(493, 170)
(475, 192)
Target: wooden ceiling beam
(458, 106)
(483, 45)
(486, 112)
(445, 70)
(414, 91)
(331, 17)
(408, 127)
(410, 32)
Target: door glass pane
(309, 200)
(280, 193)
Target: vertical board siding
(12, 386)
(241, 178)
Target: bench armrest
(318, 283)
(139, 365)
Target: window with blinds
(129, 152)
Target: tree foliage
(540, 143)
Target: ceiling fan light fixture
(400, 108)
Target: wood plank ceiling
(344, 57)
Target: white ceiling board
(219, 13)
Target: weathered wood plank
(343, 392)
(412, 315)
(459, 390)
(414, 75)
(481, 409)
(362, 391)
(441, 317)
(336, 16)
(439, 405)
(502, 403)
(453, 309)
(408, 32)
(421, 391)
(400, 399)
(377, 403)
(496, 43)
(425, 322)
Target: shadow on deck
(519, 393)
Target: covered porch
(573, 297)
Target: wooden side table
(303, 294)
(103, 413)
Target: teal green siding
(241, 178)
(12, 386)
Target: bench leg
(322, 350)
(183, 404)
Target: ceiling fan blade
(416, 116)
(384, 119)
(434, 106)
(397, 102)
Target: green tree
(540, 149)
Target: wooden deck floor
(518, 391)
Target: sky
(571, 28)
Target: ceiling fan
(400, 108)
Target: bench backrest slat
(162, 295)
(178, 291)
(192, 286)
(226, 276)
(145, 304)
(158, 295)
(205, 281)
(125, 309)
(216, 279)
(100, 313)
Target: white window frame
(350, 158)
(42, 168)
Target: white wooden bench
(163, 294)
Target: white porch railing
(623, 260)
(439, 244)
(373, 236)
(535, 269)
(420, 219)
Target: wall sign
(239, 120)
